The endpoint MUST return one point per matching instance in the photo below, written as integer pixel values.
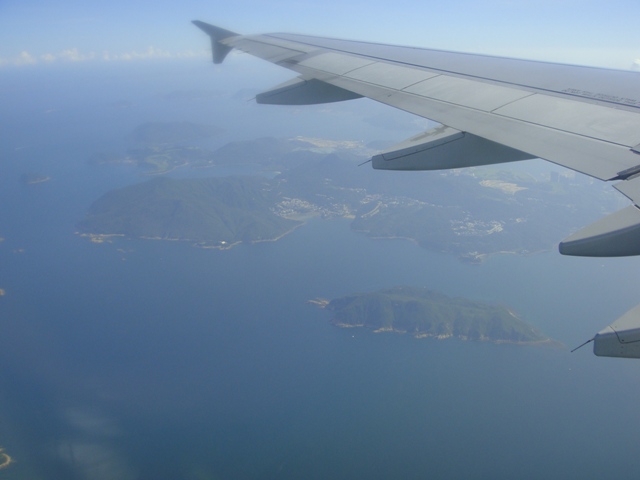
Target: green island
(471, 213)
(425, 313)
(211, 212)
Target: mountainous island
(425, 313)
(211, 212)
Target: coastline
(473, 258)
(166, 170)
(107, 238)
(279, 236)
(479, 258)
(548, 342)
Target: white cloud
(191, 54)
(151, 52)
(25, 58)
(73, 55)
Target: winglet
(217, 34)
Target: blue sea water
(152, 360)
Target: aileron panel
(335, 63)
(467, 93)
(391, 76)
(595, 121)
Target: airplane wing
(492, 110)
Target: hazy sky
(574, 31)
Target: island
(156, 159)
(424, 313)
(160, 159)
(160, 147)
(210, 212)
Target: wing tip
(217, 34)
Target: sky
(588, 32)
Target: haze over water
(149, 359)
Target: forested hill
(425, 313)
(211, 211)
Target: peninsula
(425, 313)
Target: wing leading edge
(491, 110)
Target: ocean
(144, 359)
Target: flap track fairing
(621, 338)
(444, 147)
(616, 235)
(300, 91)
